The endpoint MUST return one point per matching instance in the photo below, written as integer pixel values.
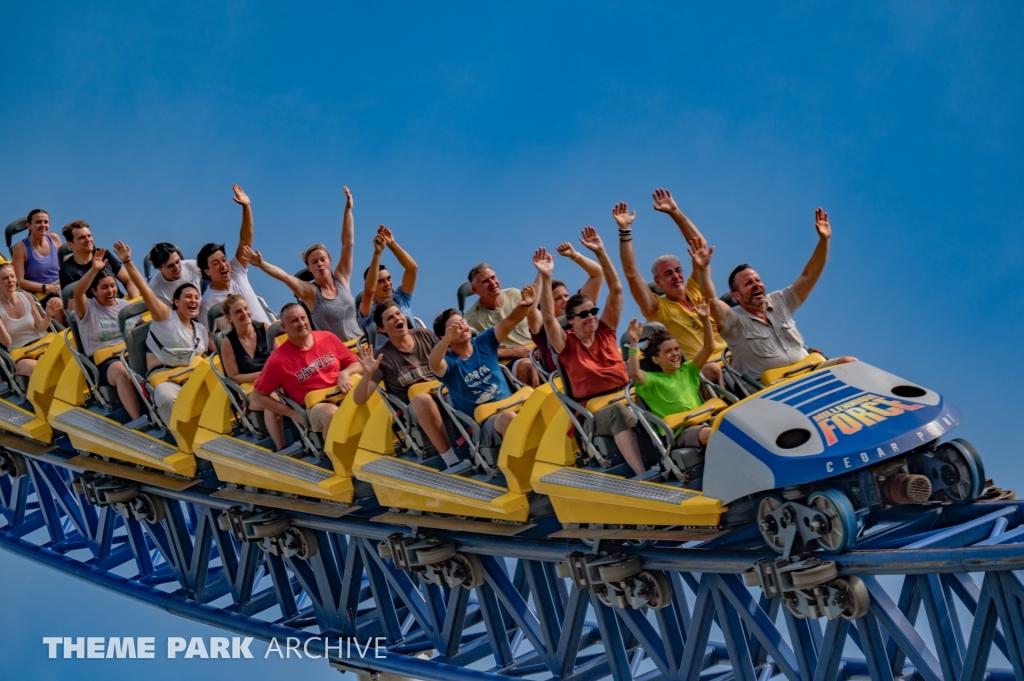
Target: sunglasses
(586, 313)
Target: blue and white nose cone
(831, 422)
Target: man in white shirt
(230, 276)
(171, 272)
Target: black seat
(464, 292)
(19, 225)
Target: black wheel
(467, 571)
(148, 508)
(858, 600)
(768, 526)
(304, 542)
(657, 588)
(12, 464)
(121, 494)
(962, 474)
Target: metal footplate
(436, 560)
(575, 478)
(618, 580)
(271, 530)
(123, 495)
(263, 458)
(389, 467)
(100, 427)
(810, 588)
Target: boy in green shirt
(676, 387)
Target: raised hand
(663, 201)
(452, 333)
(591, 239)
(254, 257)
(543, 261)
(566, 250)
(635, 330)
(389, 238)
(379, 243)
(348, 199)
(623, 217)
(99, 259)
(368, 361)
(528, 293)
(821, 224)
(240, 196)
(123, 251)
(700, 254)
(702, 307)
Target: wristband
(126, 260)
(634, 351)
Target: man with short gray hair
(675, 308)
(493, 304)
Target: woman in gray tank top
(328, 297)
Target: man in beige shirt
(493, 304)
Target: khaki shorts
(320, 416)
(614, 419)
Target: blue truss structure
(958, 566)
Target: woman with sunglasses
(589, 351)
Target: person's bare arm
(246, 231)
(595, 277)
(613, 303)
(503, 328)
(344, 381)
(534, 318)
(545, 265)
(227, 356)
(635, 330)
(409, 267)
(643, 296)
(129, 287)
(81, 301)
(304, 290)
(700, 258)
(41, 320)
(343, 271)
(664, 203)
(370, 364)
(157, 308)
(804, 284)
(704, 312)
(261, 401)
(436, 360)
(372, 276)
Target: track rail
(524, 620)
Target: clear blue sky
(480, 132)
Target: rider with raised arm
(21, 322)
(675, 388)
(227, 277)
(378, 286)
(494, 304)
(589, 351)
(674, 309)
(402, 362)
(98, 328)
(760, 330)
(79, 238)
(176, 336)
(469, 367)
(560, 292)
(328, 297)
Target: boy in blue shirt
(469, 367)
(676, 387)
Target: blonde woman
(21, 323)
(244, 350)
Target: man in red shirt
(589, 352)
(310, 360)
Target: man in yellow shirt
(673, 309)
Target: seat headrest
(67, 293)
(135, 344)
(147, 266)
(464, 292)
(655, 289)
(304, 274)
(728, 299)
(129, 311)
(73, 328)
(275, 330)
(19, 225)
(624, 341)
(215, 313)
(63, 252)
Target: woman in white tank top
(21, 322)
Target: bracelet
(126, 260)
(625, 231)
(624, 240)
(633, 351)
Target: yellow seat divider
(33, 350)
(523, 438)
(806, 365)
(192, 402)
(701, 414)
(42, 384)
(347, 426)
(513, 403)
